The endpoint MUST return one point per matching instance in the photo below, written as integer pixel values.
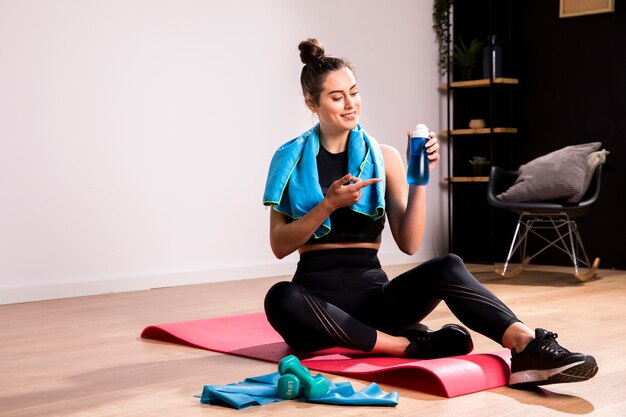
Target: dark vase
(492, 59)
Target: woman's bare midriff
(324, 246)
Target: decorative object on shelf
(466, 56)
(441, 26)
(477, 124)
(571, 8)
(479, 163)
(492, 58)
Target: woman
(331, 190)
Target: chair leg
(515, 243)
(592, 268)
(577, 247)
(590, 273)
(573, 246)
(571, 230)
(579, 244)
(514, 271)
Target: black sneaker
(544, 361)
(450, 340)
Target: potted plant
(479, 163)
(466, 56)
(441, 26)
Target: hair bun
(310, 49)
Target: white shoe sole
(535, 375)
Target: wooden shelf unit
(472, 231)
(479, 83)
(483, 131)
(467, 179)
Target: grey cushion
(593, 160)
(556, 176)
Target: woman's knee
(448, 268)
(281, 298)
(277, 292)
(446, 262)
(452, 260)
(285, 309)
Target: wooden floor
(83, 356)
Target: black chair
(545, 219)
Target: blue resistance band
(261, 390)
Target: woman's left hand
(432, 147)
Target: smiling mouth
(351, 114)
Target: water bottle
(418, 173)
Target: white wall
(136, 134)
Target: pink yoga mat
(252, 336)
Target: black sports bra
(346, 224)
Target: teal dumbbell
(314, 387)
(288, 387)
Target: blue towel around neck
(293, 187)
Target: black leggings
(340, 297)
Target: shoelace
(421, 341)
(549, 344)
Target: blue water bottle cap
(420, 131)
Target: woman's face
(339, 105)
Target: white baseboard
(12, 295)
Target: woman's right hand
(343, 194)
(288, 236)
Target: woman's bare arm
(406, 205)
